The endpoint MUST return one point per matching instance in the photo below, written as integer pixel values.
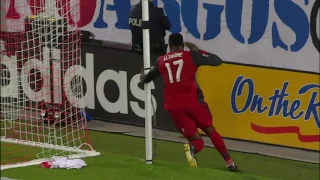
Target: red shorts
(187, 120)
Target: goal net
(42, 109)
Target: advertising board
(113, 76)
(264, 105)
(249, 103)
(273, 33)
(110, 83)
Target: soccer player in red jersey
(183, 98)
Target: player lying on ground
(183, 98)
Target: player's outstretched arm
(200, 59)
(192, 46)
(152, 74)
(212, 60)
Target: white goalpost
(147, 87)
(42, 112)
(2, 17)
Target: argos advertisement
(275, 33)
(264, 105)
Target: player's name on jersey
(172, 56)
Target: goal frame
(78, 152)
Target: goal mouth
(43, 142)
(42, 93)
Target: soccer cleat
(232, 167)
(190, 155)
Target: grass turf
(121, 159)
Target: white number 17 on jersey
(178, 63)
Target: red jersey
(180, 86)
(178, 70)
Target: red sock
(198, 145)
(218, 143)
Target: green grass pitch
(122, 158)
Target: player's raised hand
(141, 74)
(192, 46)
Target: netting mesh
(42, 107)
